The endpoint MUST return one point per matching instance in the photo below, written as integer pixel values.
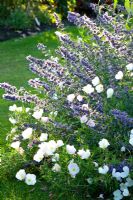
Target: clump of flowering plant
(77, 129)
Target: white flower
(103, 143)
(129, 67)
(70, 149)
(99, 88)
(15, 145)
(123, 186)
(38, 114)
(27, 109)
(55, 157)
(131, 141)
(132, 132)
(13, 130)
(44, 119)
(38, 156)
(96, 164)
(79, 98)
(20, 150)
(119, 75)
(73, 169)
(55, 113)
(13, 108)
(12, 120)
(59, 143)
(88, 89)
(91, 123)
(129, 182)
(30, 179)
(125, 172)
(123, 149)
(83, 119)
(56, 168)
(117, 175)
(71, 97)
(27, 133)
(110, 92)
(89, 180)
(55, 97)
(101, 196)
(43, 137)
(20, 175)
(85, 106)
(19, 109)
(126, 192)
(95, 81)
(48, 148)
(103, 170)
(84, 154)
(117, 195)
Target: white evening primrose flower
(101, 196)
(91, 123)
(59, 143)
(123, 149)
(83, 119)
(13, 130)
(80, 98)
(88, 89)
(38, 114)
(56, 168)
(44, 119)
(99, 88)
(103, 170)
(55, 157)
(103, 144)
(117, 195)
(27, 109)
(84, 154)
(27, 133)
(55, 97)
(20, 150)
(12, 120)
(96, 164)
(125, 172)
(19, 109)
(73, 169)
(70, 149)
(43, 137)
(30, 179)
(38, 157)
(15, 145)
(71, 97)
(110, 92)
(119, 75)
(129, 67)
(116, 175)
(95, 81)
(85, 106)
(131, 141)
(89, 180)
(13, 108)
(123, 186)
(129, 182)
(51, 147)
(126, 192)
(21, 174)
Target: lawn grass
(14, 70)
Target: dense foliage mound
(76, 134)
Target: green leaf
(115, 3)
(128, 6)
